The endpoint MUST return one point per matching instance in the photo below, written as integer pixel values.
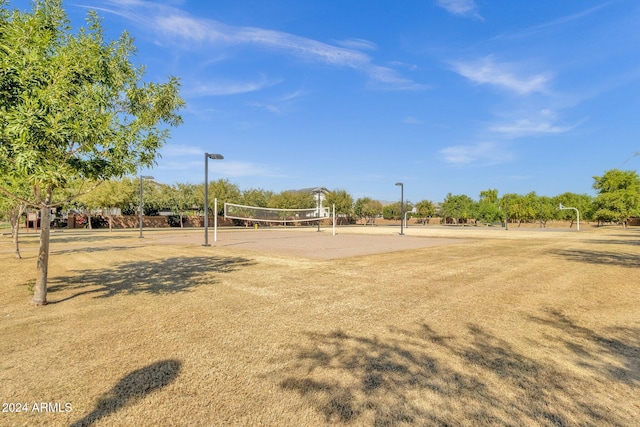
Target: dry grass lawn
(500, 328)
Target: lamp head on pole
(214, 156)
(146, 177)
(399, 183)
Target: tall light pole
(142, 178)
(401, 207)
(208, 156)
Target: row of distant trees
(617, 199)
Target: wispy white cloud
(387, 78)
(504, 75)
(176, 26)
(227, 87)
(543, 122)
(358, 44)
(268, 107)
(558, 23)
(460, 7)
(188, 158)
(231, 169)
(526, 127)
(482, 153)
(178, 150)
(279, 105)
(412, 120)
(236, 169)
(293, 95)
(400, 64)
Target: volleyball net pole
(215, 220)
(334, 219)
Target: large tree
(547, 209)
(618, 196)
(391, 211)
(181, 198)
(396, 212)
(73, 107)
(425, 209)
(223, 190)
(367, 209)
(342, 201)
(489, 207)
(582, 202)
(459, 207)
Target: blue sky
(443, 95)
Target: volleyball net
(258, 214)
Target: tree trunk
(89, 220)
(181, 220)
(14, 234)
(15, 228)
(40, 289)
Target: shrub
(173, 220)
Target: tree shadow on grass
(72, 251)
(599, 257)
(60, 238)
(618, 352)
(630, 242)
(421, 378)
(133, 387)
(165, 276)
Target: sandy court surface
(349, 241)
(324, 245)
(306, 242)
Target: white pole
(577, 214)
(334, 219)
(215, 219)
(206, 200)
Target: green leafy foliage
(367, 209)
(488, 208)
(73, 107)
(618, 196)
(583, 202)
(293, 200)
(395, 212)
(458, 208)
(425, 209)
(256, 197)
(342, 201)
(224, 191)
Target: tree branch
(18, 198)
(38, 204)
